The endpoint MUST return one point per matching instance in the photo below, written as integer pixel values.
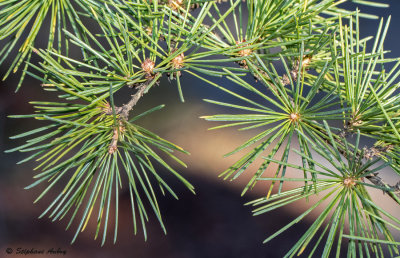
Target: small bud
(355, 120)
(149, 31)
(107, 109)
(306, 61)
(177, 62)
(112, 148)
(285, 80)
(148, 66)
(349, 182)
(175, 4)
(244, 52)
(294, 117)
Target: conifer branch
(392, 190)
(329, 75)
(123, 111)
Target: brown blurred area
(212, 223)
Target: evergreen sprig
(23, 21)
(344, 191)
(89, 146)
(316, 83)
(292, 108)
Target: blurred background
(212, 223)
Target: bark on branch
(123, 112)
(392, 190)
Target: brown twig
(392, 190)
(123, 113)
(124, 110)
(378, 181)
(113, 145)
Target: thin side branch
(124, 110)
(392, 190)
(123, 113)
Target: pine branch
(124, 110)
(392, 190)
(96, 139)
